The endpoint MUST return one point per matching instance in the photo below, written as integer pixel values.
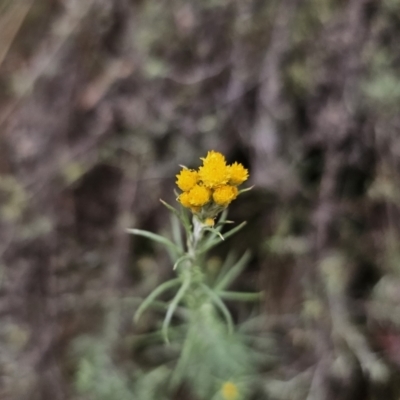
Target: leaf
(245, 190)
(176, 232)
(183, 362)
(227, 264)
(210, 244)
(186, 221)
(234, 230)
(156, 304)
(223, 217)
(174, 304)
(154, 294)
(180, 259)
(210, 241)
(155, 336)
(181, 216)
(234, 272)
(220, 305)
(240, 296)
(215, 232)
(156, 238)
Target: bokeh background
(101, 100)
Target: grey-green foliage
(97, 375)
(197, 322)
(211, 356)
(151, 385)
(212, 353)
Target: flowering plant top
(197, 305)
(212, 188)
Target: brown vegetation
(101, 100)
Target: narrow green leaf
(176, 232)
(239, 296)
(173, 305)
(223, 216)
(234, 230)
(181, 259)
(156, 304)
(183, 361)
(175, 332)
(156, 238)
(181, 216)
(215, 232)
(233, 272)
(210, 240)
(186, 221)
(220, 305)
(227, 264)
(208, 245)
(153, 295)
(245, 190)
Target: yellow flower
(184, 199)
(199, 196)
(238, 174)
(213, 184)
(213, 155)
(223, 195)
(186, 179)
(230, 391)
(214, 171)
(209, 221)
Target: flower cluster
(213, 187)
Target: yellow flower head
(199, 196)
(211, 188)
(229, 391)
(238, 174)
(214, 171)
(184, 199)
(209, 222)
(186, 179)
(223, 195)
(213, 156)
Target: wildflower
(214, 171)
(229, 391)
(223, 195)
(186, 179)
(209, 221)
(211, 188)
(237, 174)
(184, 199)
(213, 156)
(199, 196)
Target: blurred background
(101, 100)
